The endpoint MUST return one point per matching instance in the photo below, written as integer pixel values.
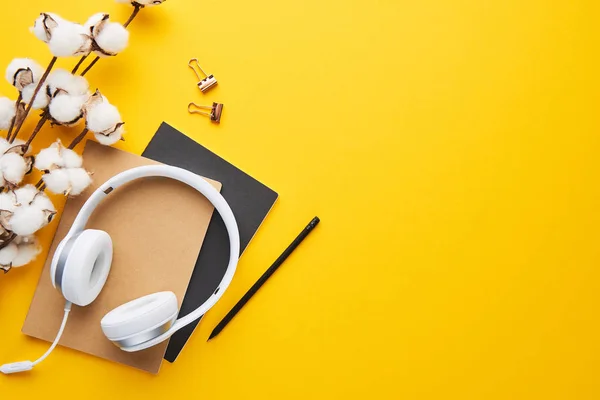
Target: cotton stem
(81, 60)
(136, 9)
(38, 128)
(78, 139)
(14, 120)
(35, 93)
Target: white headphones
(82, 262)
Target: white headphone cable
(28, 365)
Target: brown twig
(136, 9)
(85, 71)
(78, 139)
(81, 60)
(35, 93)
(12, 123)
(38, 127)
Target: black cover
(249, 199)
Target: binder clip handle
(204, 83)
(195, 66)
(216, 110)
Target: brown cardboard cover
(157, 226)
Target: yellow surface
(451, 150)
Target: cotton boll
(95, 99)
(112, 39)
(28, 250)
(27, 220)
(66, 109)
(9, 253)
(41, 100)
(57, 181)
(94, 21)
(18, 66)
(79, 180)
(71, 159)
(7, 112)
(102, 117)
(44, 26)
(69, 39)
(38, 29)
(13, 168)
(62, 80)
(49, 158)
(33, 211)
(110, 139)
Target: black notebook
(249, 199)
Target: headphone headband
(202, 186)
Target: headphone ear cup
(85, 266)
(141, 319)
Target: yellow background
(451, 149)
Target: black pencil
(265, 277)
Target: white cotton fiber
(4, 145)
(112, 38)
(63, 80)
(28, 250)
(8, 201)
(18, 64)
(32, 212)
(69, 39)
(48, 158)
(51, 20)
(148, 3)
(13, 168)
(79, 180)
(7, 112)
(27, 220)
(38, 29)
(70, 159)
(66, 109)
(109, 140)
(43, 201)
(79, 86)
(8, 254)
(93, 21)
(59, 79)
(41, 100)
(102, 117)
(25, 194)
(57, 181)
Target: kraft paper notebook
(249, 199)
(157, 226)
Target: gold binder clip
(215, 111)
(204, 84)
